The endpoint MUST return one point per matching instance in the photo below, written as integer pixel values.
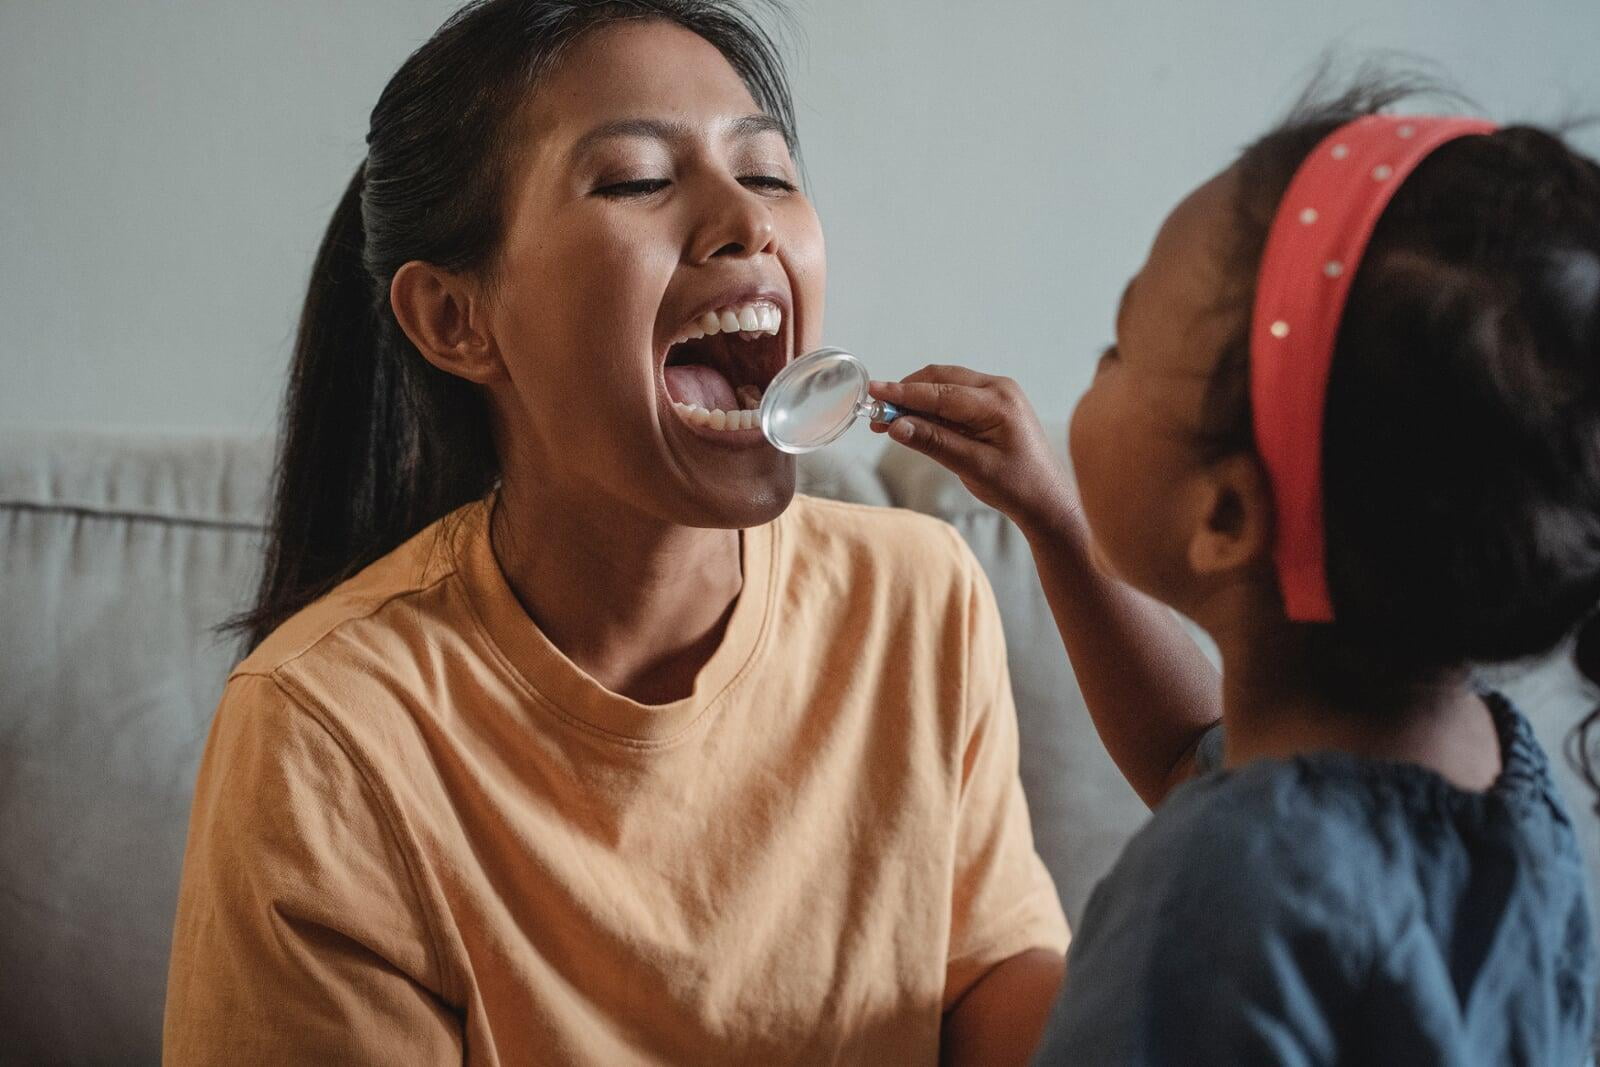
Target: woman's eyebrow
(755, 125)
(742, 129)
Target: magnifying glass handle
(878, 411)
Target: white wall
(988, 174)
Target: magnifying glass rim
(816, 355)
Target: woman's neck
(1273, 710)
(638, 604)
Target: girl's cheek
(1080, 433)
(1099, 445)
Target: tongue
(696, 383)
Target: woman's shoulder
(364, 615)
(890, 563)
(352, 661)
(337, 679)
(887, 539)
(909, 577)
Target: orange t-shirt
(421, 834)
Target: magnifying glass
(815, 399)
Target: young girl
(1351, 426)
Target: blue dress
(1328, 909)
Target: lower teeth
(718, 419)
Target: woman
(569, 733)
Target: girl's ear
(443, 315)
(1235, 519)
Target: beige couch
(118, 554)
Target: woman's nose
(737, 223)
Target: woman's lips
(716, 369)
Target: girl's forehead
(1175, 315)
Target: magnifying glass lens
(814, 400)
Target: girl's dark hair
(1462, 440)
(376, 443)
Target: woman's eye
(769, 182)
(636, 188)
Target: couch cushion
(119, 555)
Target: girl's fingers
(944, 372)
(961, 454)
(962, 405)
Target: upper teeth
(747, 320)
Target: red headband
(1313, 249)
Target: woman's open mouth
(719, 368)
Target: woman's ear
(1236, 517)
(443, 315)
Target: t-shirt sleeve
(1004, 900)
(300, 935)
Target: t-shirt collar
(574, 695)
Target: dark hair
(376, 443)
(1461, 444)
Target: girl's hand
(984, 430)
(1151, 691)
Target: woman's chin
(738, 500)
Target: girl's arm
(1001, 1018)
(1150, 690)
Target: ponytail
(375, 442)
